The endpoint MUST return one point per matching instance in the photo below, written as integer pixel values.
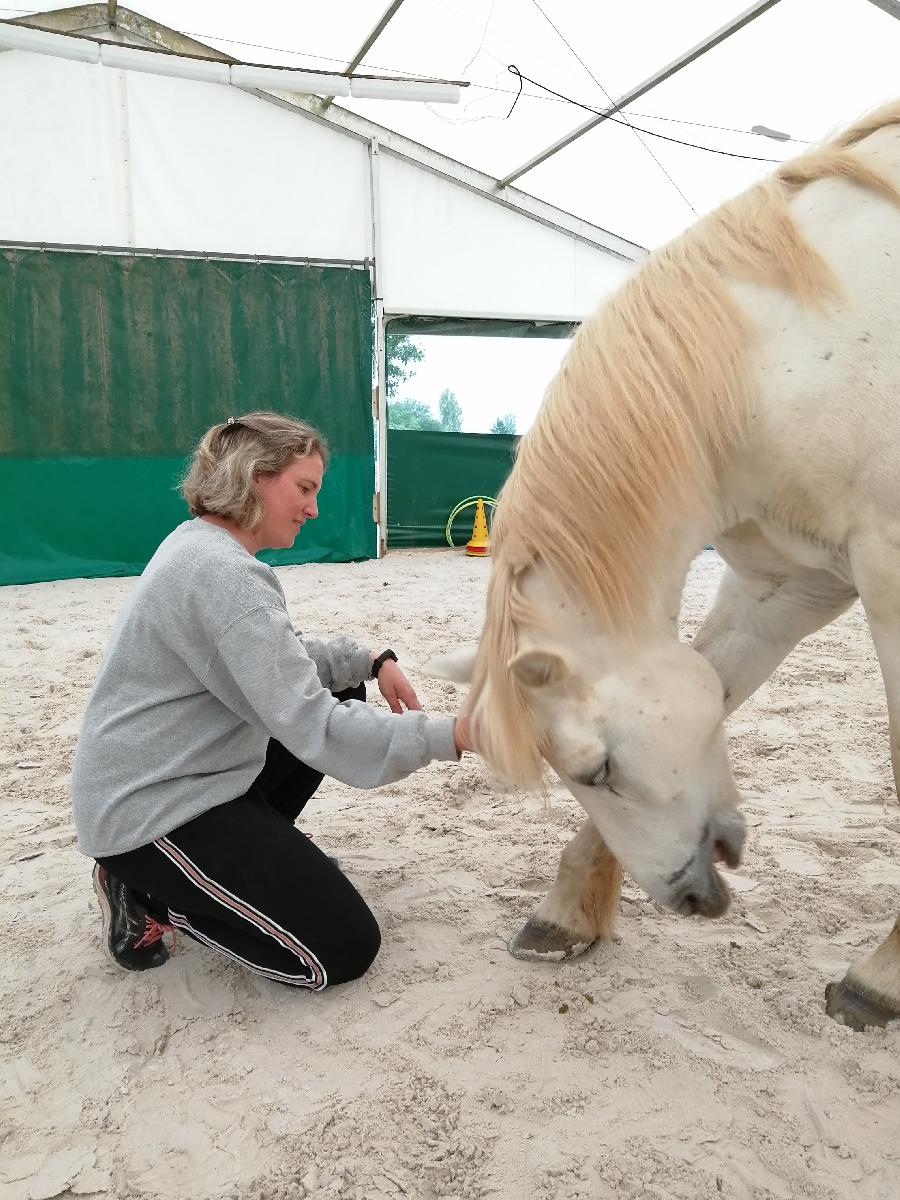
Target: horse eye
(600, 774)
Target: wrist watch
(379, 662)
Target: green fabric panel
(114, 355)
(428, 475)
(66, 518)
(108, 359)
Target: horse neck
(561, 607)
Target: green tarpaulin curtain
(429, 473)
(112, 366)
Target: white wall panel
(61, 161)
(104, 157)
(447, 249)
(94, 156)
(217, 169)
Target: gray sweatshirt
(202, 667)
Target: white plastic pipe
(284, 79)
(156, 63)
(404, 89)
(20, 37)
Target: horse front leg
(579, 908)
(869, 994)
(752, 626)
(758, 618)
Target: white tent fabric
(206, 177)
(138, 160)
(803, 67)
(182, 165)
(482, 260)
(113, 158)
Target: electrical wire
(551, 96)
(514, 70)
(461, 75)
(596, 81)
(481, 42)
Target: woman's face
(289, 499)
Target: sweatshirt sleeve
(341, 663)
(261, 670)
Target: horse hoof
(540, 940)
(856, 1006)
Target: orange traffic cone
(479, 543)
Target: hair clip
(230, 421)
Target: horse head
(633, 726)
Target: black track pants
(244, 881)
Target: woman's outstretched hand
(396, 688)
(400, 694)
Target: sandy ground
(687, 1059)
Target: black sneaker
(132, 939)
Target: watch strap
(383, 657)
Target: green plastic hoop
(467, 503)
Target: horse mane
(637, 424)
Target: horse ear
(539, 668)
(456, 666)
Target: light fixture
(21, 37)
(283, 79)
(157, 63)
(404, 89)
(775, 134)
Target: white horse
(742, 388)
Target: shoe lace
(153, 932)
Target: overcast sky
(803, 67)
(490, 376)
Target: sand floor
(687, 1059)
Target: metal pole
(387, 17)
(379, 395)
(891, 7)
(689, 56)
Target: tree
(411, 414)
(505, 424)
(451, 413)
(399, 352)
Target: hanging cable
(468, 120)
(598, 112)
(551, 96)
(518, 93)
(637, 132)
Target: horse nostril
(691, 904)
(725, 852)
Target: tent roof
(798, 66)
(133, 28)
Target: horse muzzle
(697, 888)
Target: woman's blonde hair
(230, 456)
